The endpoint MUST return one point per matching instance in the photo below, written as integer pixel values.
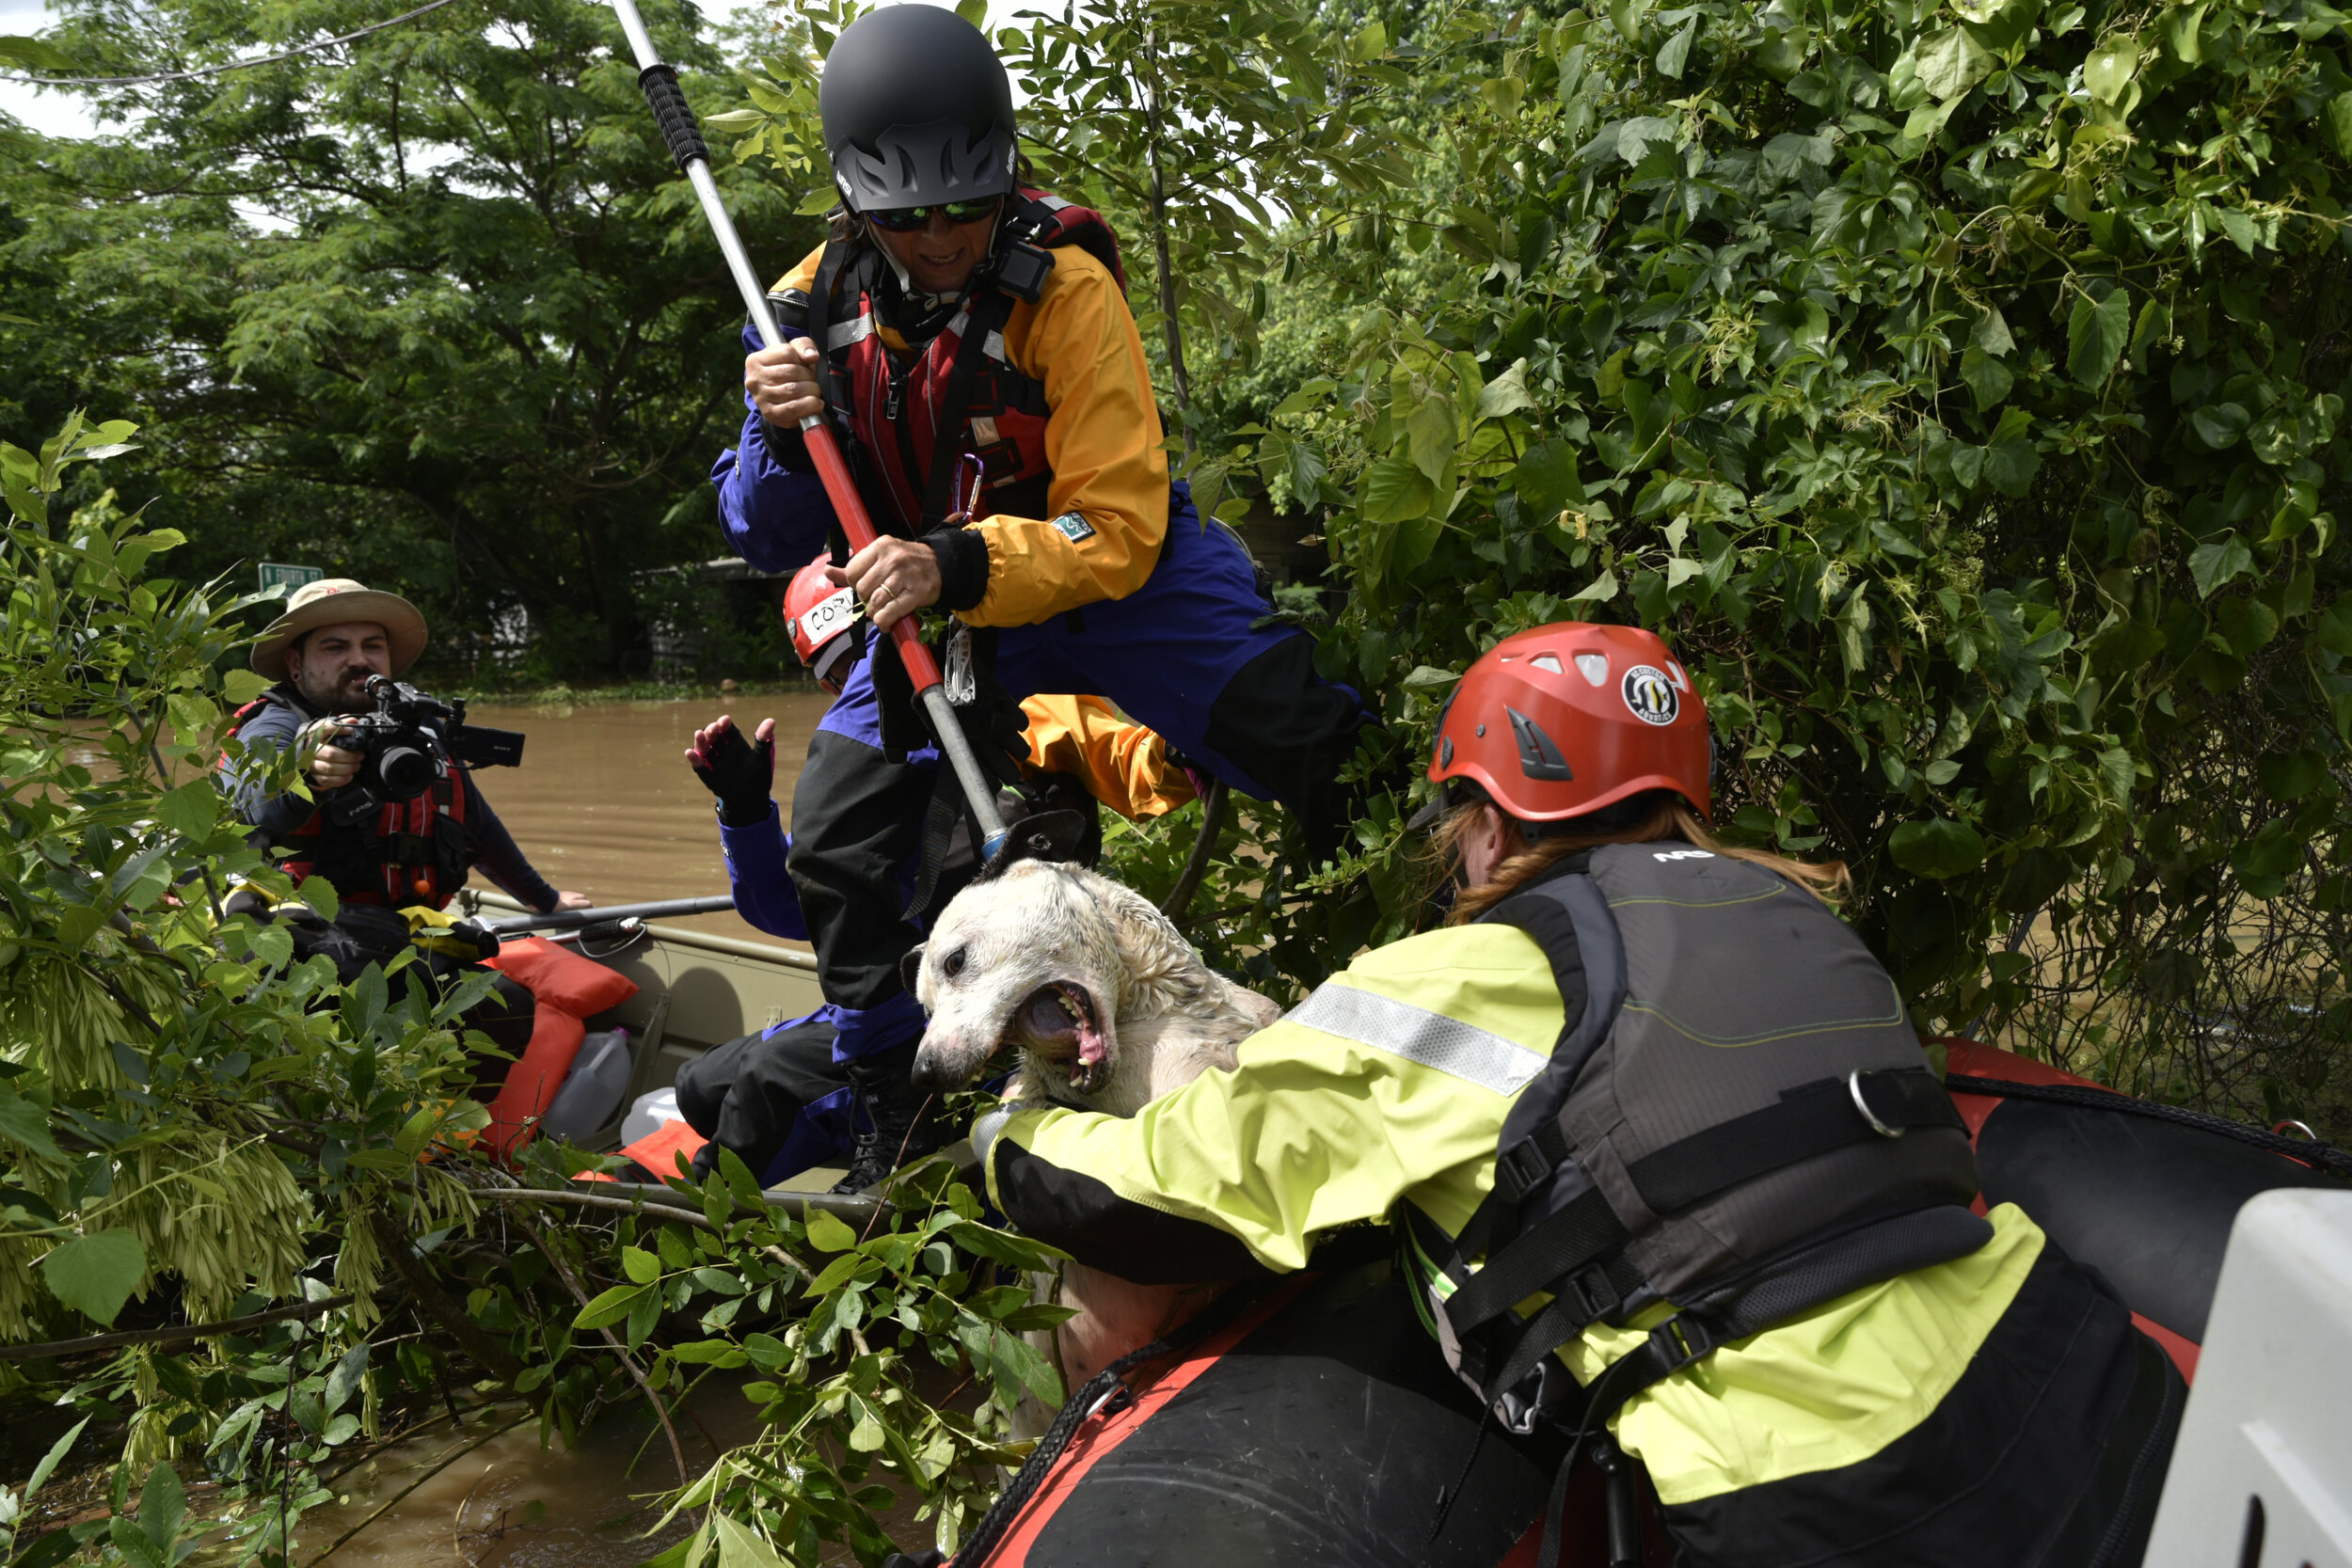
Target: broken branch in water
(170, 1336)
(571, 1283)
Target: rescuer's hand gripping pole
(686, 145)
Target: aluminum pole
(668, 100)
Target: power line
(234, 65)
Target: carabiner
(968, 464)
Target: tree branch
(185, 1332)
(571, 1283)
(435, 1302)
(660, 1212)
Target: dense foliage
(1958, 390)
(1957, 385)
(195, 1127)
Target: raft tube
(1316, 1431)
(2147, 1202)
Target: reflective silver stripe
(842, 334)
(1456, 1049)
(962, 319)
(994, 346)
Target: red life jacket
(961, 382)
(420, 844)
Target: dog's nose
(926, 1075)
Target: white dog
(1109, 1007)
(1108, 1003)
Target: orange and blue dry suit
(1087, 565)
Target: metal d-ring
(1854, 1087)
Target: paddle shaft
(668, 102)
(571, 920)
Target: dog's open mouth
(1058, 1022)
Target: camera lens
(407, 771)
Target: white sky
(62, 113)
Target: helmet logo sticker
(1649, 696)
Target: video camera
(412, 740)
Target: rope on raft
(2319, 1156)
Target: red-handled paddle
(693, 158)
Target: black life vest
(419, 844)
(963, 382)
(1737, 1119)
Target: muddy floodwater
(488, 1495)
(604, 803)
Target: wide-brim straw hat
(332, 602)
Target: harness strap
(1814, 1120)
(1875, 1252)
(1581, 1303)
(987, 315)
(1811, 1120)
(829, 265)
(1526, 1165)
(1570, 1241)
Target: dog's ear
(1048, 835)
(910, 966)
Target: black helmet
(888, 67)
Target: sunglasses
(905, 220)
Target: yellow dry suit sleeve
(1103, 436)
(1123, 764)
(1390, 1080)
(1103, 441)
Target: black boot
(904, 1124)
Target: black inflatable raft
(2142, 1192)
(1320, 1427)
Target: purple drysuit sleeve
(775, 517)
(764, 894)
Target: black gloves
(740, 772)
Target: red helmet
(1568, 719)
(820, 615)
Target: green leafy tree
(432, 309)
(1198, 130)
(239, 1203)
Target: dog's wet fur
(1104, 1001)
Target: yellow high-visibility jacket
(1399, 1091)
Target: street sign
(281, 579)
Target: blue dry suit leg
(857, 821)
(777, 1099)
(1184, 654)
